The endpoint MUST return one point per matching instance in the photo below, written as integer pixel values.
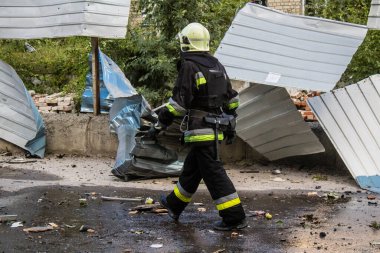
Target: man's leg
(220, 186)
(187, 185)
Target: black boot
(164, 203)
(222, 226)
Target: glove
(154, 130)
(230, 136)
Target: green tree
(366, 60)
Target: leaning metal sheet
(270, 123)
(270, 47)
(20, 121)
(25, 19)
(374, 15)
(351, 118)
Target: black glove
(155, 129)
(230, 136)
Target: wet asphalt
(116, 230)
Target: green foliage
(366, 60)
(56, 65)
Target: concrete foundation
(86, 135)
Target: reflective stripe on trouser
(200, 163)
(182, 194)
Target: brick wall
(287, 6)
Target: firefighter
(204, 99)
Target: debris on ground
(198, 204)
(8, 217)
(268, 216)
(201, 209)
(276, 172)
(151, 208)
(138, 199)
(17, 224)
(83, 202)
(19, 161)
(278, 179)
(322, 234)
(312, 194)
(320, 177)
(257, 213)
(299, 99)
(279, 222)
(371, 197)
(234, 234)
(156, 246)
(53, 225)
(332, 196)
(85, 228)
(372, 203)
(38, 229)
(149, 201)
(219, 251)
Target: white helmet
(194, 37)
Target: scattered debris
(7, 153)
(318, 187)
(234, 234)
(9, 217)
(276, 172)
(201, 209)
(149, 201)
(53, 225)
(279, 222)
(60, 156)
(198, 204)
(133, 212)
(38, 229)
(268, 216)
(374, 243)
(371, 197)
(219, 251)
(159, 210)
(20, 160)
(278, 179)
(333, 196)
(312, 194)
(69, 226)
(322, 234)
(156, 246)
(85, 228)
(257, 213)
(83, 202)
(17, 224)
(121, 199)
(371, 203)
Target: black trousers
(200, 163)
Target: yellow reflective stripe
(201, 81)
(172, 110)
(228, 204)
(204, 137)
(180, 196)
(233, 105)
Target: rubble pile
(299, 99)
(57, 102)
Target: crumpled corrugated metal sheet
(127, 107)
(351, 119)
(270, 123)
(270, 47)
(20, 121)
(25, 19)
(374, 15)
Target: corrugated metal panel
(270, 123)
(25, 19)
(374, 15)
(20, 122)
(270, 47)
(351, 118)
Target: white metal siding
(25, 19)
(270, 123)
(20, 122)
(351, 118)
(374, 15)
(303, 52)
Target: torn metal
(270, 47)
(270, 123)
(137, 156)
(351, 118)
(20, 121)
(25, 19)
(374, 15)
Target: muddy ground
(48, 191)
